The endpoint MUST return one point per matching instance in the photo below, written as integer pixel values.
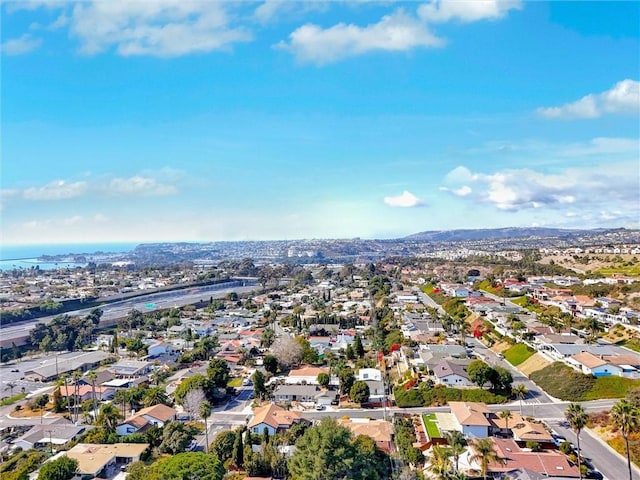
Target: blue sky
(210, 120)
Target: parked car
(319, 407)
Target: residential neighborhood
(434, 366)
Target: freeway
(19, 332)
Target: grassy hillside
(565, 383)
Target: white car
(319, 407)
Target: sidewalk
(598, 438)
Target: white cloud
(57, 190)
(463, 191)
(404, 200)
(77, 222)
(163, 28)
(466, 11)
(588, 188)
(622, 98)
(138, 185)
(395, 32)
(19, 46)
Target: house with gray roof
(452, 373)
(298, 393)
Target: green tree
(577, 418)
(346, 378)
(63, 468)
(197, 382)
(457, 445)
(594, 327)
(309, 355)
(484, 453)
(440, 464)
(501, 379)
(521, 392)
(349, 353)
(268, 337)
(371, 463)
(205, 412)
(324, 452)
(358, 349)
(156, 396)
(323, 379)
(270, 364)
(92, 376)
(626, 417)
(108, 417)
(506, 415)
(187, 466)
(222, 446)
(479, 372)
(238, 450)
(259, 388)
(359, 392)
(218, 372)
(176, 437)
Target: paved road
(428, 301)
(18, 333)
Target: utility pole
(50, 442)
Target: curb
(598, 438)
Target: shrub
(563, 382)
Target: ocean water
(26, 256)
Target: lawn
(235, 382)
(432, 425)
(518, 353)
(13, 399)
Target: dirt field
(534, 363)
(596, 261)
(500, 347)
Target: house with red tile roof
(473, 418)
(156, 415)
(273, 418)
(380, 431)
(308, 375)
(549, 463)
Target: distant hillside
(501, 233)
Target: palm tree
(507, 415)
(485, 453)
(457, 445)
(91, 375)
(65, 379)
(205, 412)
(520, 391)
(577, 418)
(594, 326)
(77, 375)
(156, 396)
(625, 416)
(121, 397)
(108, 417)
(439, 464)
